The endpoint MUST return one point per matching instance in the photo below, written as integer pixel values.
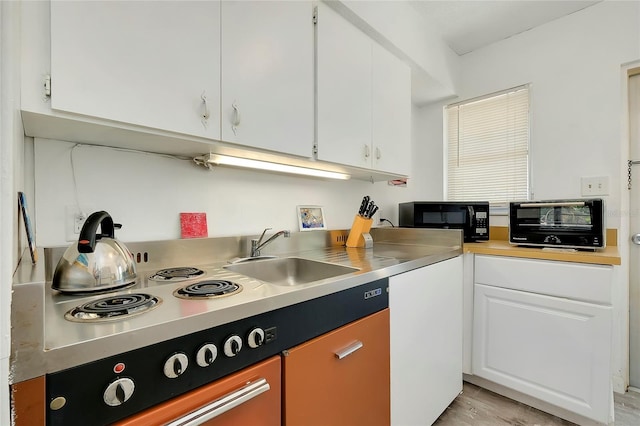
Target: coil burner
(113, 308)
(208, 289)
(176, 274)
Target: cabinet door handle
(205, 110)
(223, 404)
(378, 154)
(367, 151)
(349, 349)
(236, 118)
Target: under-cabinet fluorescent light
(225, 160)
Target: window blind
(488, 148)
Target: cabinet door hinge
(315, 15)
(47, 85)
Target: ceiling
(467, 25)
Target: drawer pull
(349, 349)
(223, 404)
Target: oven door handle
(565, 204)
(223, 404)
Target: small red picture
(193, 225)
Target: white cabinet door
(554, 349)
(267, 75)
(343, 90)
(426, 341)
(391, 103)
(145, 63)
(363, 99)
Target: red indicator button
(119, 368)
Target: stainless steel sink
(289, 271)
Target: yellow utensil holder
(360, 226)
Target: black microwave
(575, 223)
(471, 217)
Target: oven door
(570, 223)
(249, 397)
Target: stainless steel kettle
(97, 263)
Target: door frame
(621, 360)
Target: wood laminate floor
(476, 406)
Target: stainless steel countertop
(44, 342)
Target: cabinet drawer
(563, 279)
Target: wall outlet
(594, 185)
(74, 220)
(78, 222)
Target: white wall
(573, 65)
(11, 181)
(435, 66)
(146, 192)
(428, 147)
(577, 106)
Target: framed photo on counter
(311, 218)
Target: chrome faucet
(256, 245)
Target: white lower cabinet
(426, 341)
(553, 347)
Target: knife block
(360, 227)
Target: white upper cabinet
(267, 75)
(236, 71)
(363, 98)
(151, 64)
(179, 76)
(343, 90)
(391, 111)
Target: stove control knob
(232, 346)
(256, 338)
(176, 365)
(206, 355)
(118, 392)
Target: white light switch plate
(594, 185)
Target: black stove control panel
(113, 388)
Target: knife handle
(368, 209)
(373, 211)
(363, 206)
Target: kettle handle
(88, 237)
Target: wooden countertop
(499, 245)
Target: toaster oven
(576, 223)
